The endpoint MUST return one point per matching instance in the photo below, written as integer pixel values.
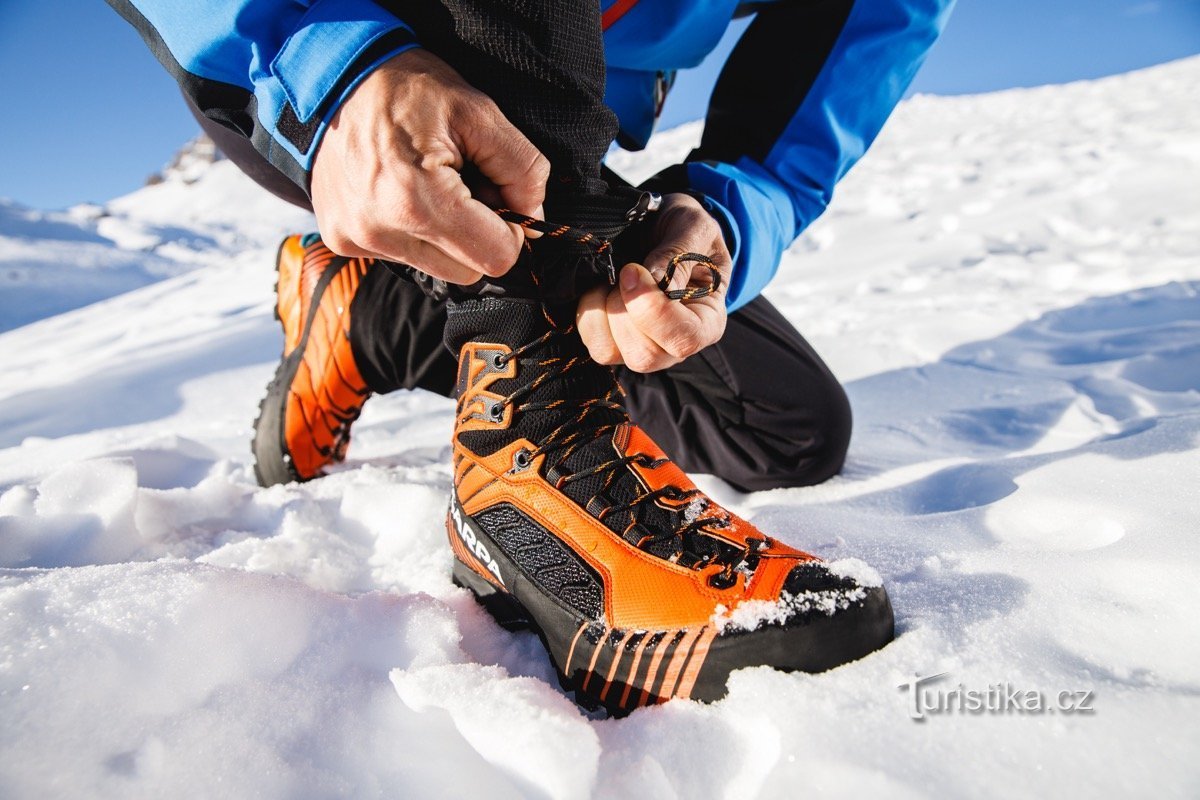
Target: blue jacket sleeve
(800, 99)
(274, 71)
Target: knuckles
(683, 344)
(336, 240)
(500, 252)
(604, 352)
(684, 226)
(497, 262)
(337, 236)
(539, 166)
(369, 238)
(640, 359)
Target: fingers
(467, 230)
(614, 335)
(685, 227)
(439, 228)
(505, 157)
(387, 179)
(640, 349)
(657, 262)
(591, 319)
(411, 251)
(461, 245)
(676, 329)
(434, 261)
(636, 323)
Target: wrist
(335, 47)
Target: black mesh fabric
(555, 569)
(514, 322)
(542, 61)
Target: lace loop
(690, 292)
(603, 247)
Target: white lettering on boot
(474, 545)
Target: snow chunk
(521, 725)
(856, 570)
(81, 513)
(753, 614)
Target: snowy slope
(1010, 285)
(51, 262)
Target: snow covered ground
(1010, 286)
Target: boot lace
(695, 538)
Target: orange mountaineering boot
(317, 392)
(566, 518)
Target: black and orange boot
(317, 392)
(566, 518)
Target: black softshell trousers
(758, 409)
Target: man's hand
(635, 323)
(386, 182)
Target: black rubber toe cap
(833, 620)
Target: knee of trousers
(751, 444)
(783, 448)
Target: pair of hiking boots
(565, 517)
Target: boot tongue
(510, 321)
(566, 268)
(605, 215)
(515, 323)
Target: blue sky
(88, 113)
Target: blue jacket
(803, 95)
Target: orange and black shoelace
(603, 246)
(588, 423)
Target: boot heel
(510, 614)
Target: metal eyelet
(496, 412)
(499, 361)
(722, 580)
(522, 460)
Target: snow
(857, 570)
(1010, 286)
(751, 614)
(51, 262)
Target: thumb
(676, 328)
(508, 160)
(639, 290)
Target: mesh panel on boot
(554, 568)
